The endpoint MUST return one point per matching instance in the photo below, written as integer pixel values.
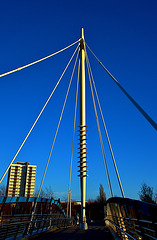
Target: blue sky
(123, 35)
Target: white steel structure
(83, 224)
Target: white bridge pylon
(83, 224)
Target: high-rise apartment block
(21, 180)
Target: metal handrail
(134, 217)
(48, 214)
(135, 227)
(121, 229)
(10, 229)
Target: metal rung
(82, 152)
(82, 156)
(82, 163)
(82, 143)
(82, 148)
(82, 160)
(82, 166)
(82, 130)
(82, 139)
(82, 171)
(82, 126)
(82, 175)
(82, 134)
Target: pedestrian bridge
(28, 216)
(22, 217)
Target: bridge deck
(93, 233)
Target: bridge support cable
(39, 115)
(74, 124)
(53, 140)
(105, 128)
(147, 117)
(58, 125)
(40, 60)
(99, 131)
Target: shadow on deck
(93, 233)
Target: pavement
(93, 233)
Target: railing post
(45, 220)
(21, 218)
(3, 203)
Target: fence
(132, 219)
(26, 216)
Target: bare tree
(49, 192)
(102, 195)
(146, 193)
(42, 193)
(2, 190)
(155, 197)
(45, 193)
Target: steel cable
(106, 132)
(149, 119)
(58, 125)
(99, 131)
(42, 59)
(76, 98)
(39, 115)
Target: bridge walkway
(93, 233)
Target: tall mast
(82, 161)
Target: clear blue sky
(123, 35)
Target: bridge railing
(20, 217)
(132, 219)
